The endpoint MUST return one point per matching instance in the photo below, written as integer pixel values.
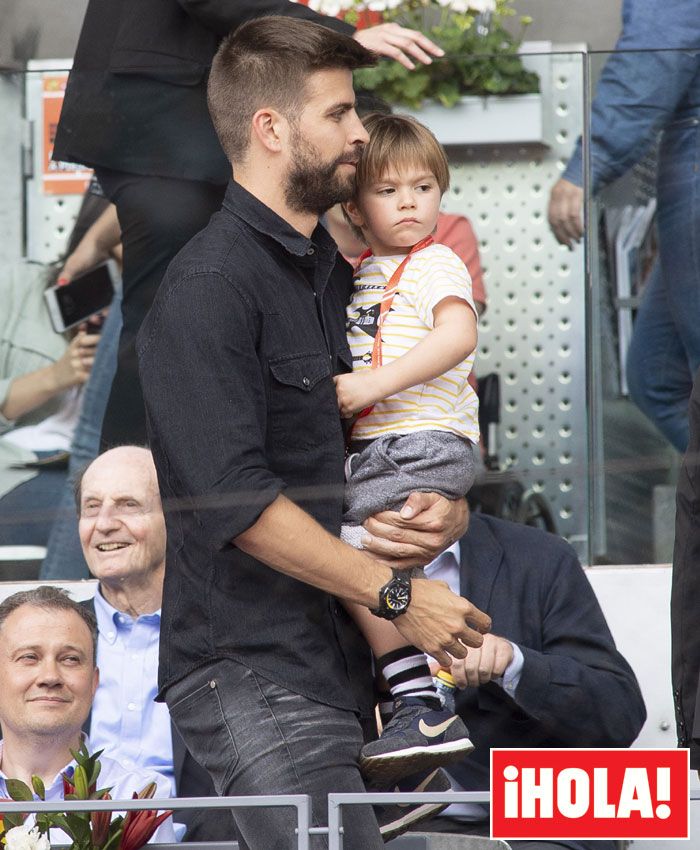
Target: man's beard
(315, 187)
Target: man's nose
(49, 673)
(357, 133)
(107, 518)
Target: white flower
(24, 838)
(383, 5)
(330, 7)
(463, 6)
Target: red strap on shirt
(387, 300)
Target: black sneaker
(395, 818)
(416, 739)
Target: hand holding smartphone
(83, 297)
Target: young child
(412, 332)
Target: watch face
(397, 597)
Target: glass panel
(641, 327)
(505, 153)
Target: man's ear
(352, 212)
(270, 129)
(95, 681)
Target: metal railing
(300, 802)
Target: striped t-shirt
(447, 403)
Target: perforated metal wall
(533, 333)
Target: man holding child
(259, 664)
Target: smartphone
(75, 302)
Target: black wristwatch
(395, 596)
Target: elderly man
(122, 532)
(49, 678)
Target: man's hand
(487, 662)
(399, 43)
(436, 622)
(565, 212)
(426, 525)
(356, 391)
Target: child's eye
(425, 187)
(387, 190)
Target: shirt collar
(110, 621)
(253, 212)
(446, 557)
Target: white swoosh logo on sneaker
(422, 787)
(434, 731)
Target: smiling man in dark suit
(547, 675)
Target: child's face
(397, 211)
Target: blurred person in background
(135, 109)
(64, 557)
(651, 84)
(41, 376)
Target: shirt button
(132, 706)
(305, 381)
(310, 251)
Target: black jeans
(158, 216)
(255, 737)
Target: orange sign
(59, 178)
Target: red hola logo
(589, 793)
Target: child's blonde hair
(399, 141)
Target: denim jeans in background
(28, 511)
(665, 349)
(255, 737)
(64, 558)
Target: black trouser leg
(158, 216)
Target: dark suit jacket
(191, 780)
(136, 97)
(576, 690)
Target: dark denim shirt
(651, 81)
(237, 358)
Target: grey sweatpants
(385, 472)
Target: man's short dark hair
(50, 599)
(266, 62)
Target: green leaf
(11, 819)
(38, 786)
(19, 790)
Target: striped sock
(385, 703)
(408, 675)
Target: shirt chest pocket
(302, 402)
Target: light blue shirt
(126, 722)
(123, 782)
